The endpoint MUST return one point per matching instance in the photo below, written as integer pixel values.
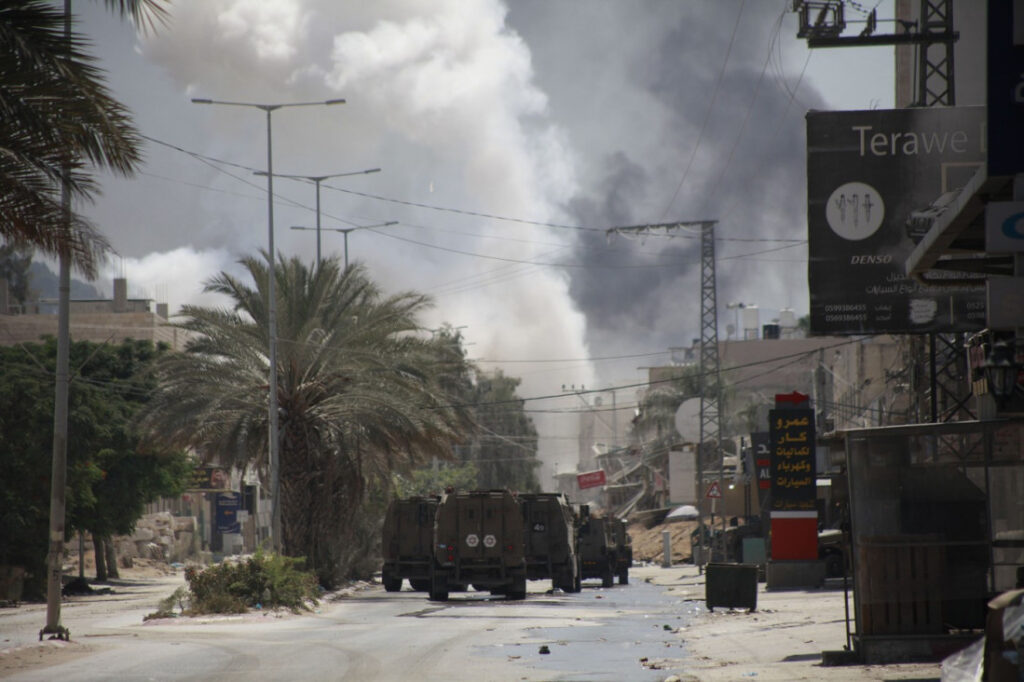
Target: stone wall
(160, 536)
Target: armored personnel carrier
(597, 550)
(606, 550)
(550, 540)
(478, 540)
(407, 543)
(623, 550)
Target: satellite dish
(688, 420)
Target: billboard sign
(209, 479)
(876, 181)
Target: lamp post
(317, 179)
(1001, 370)
(274, 444)
(344, 231)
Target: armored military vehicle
(478, 540)
(407, 543)
(550, 540)
(597, 550)
(623, 550)
(606, 550)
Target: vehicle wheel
(624, 576)
(438, 586)
(420, 584)
(517, 590)
(391, 583)
(578, 585)
(607, 576)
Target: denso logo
(1012, 226)
(871, 260)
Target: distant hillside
(44, 283)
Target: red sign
(714, 490)
(591, 479)
(794, 536)
(795, 397)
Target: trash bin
(731, 586)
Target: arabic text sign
(793, 467)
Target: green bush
(264, 580)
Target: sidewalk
(781, 641)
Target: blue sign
(1004, 227)
(226, 512)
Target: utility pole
(710, 384)
(59, 467)
(273, 431)
(317, 179)
(710, 376)
(931, 34)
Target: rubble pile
(648, 543)
(159, 536)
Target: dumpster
(731, 586)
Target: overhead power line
(206, 159)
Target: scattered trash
(544, 649)
(667, 628)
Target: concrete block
(186, 524)
(791, 575)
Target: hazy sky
(511, 136)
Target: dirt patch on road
(45, 653)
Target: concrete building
(97, 320)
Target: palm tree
(360, 392)
(56, 119)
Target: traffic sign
(714, 490)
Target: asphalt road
(618, 633)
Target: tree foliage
(361, 394)
(505, 446)
(58, 118)
(110, 479)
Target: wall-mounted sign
(1004, 227)
(876, 183)
(761, 442)
(210, 479)
(226, 512)
(591, 479)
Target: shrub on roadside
(267, 580)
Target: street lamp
(317, 179)
(345, 231)
(275, 478)
(1001, 370)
